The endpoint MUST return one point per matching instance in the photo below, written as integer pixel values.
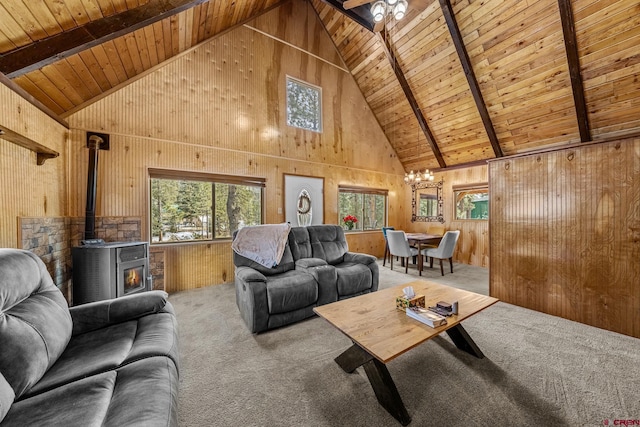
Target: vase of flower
(349, 221)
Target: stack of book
(426, 316)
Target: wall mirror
(426, 204)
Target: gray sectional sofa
(107, 363)
(316, 268)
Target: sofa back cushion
(300, 243)
(35, 324)
(328, 242)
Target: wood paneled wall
(473, 244)
(221, 109)
(565, 233)
(27, 189)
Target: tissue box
(402, 303)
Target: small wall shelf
(42, 153)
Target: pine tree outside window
(198, 207)
(368, 205)
(304, 105)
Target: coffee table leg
(463, 341)
(353, 358)
(386, 391)
(379, 378)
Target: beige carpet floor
(539, 370)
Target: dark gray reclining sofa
(107, 363)
(316, 268)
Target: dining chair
(436, 229)
(386, 244)
(399, 246)
(444, 249)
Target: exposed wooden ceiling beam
(571, 47)
(361, 15)
(350, 4)
(465, 165)
(461, 49)
(412, 99)
(379, 26)
(51, 49)
(27, 96)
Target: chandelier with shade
(382, 8)
(412, 177)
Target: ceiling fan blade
(350, 4)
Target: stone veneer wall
(109, 228)
(156, 267)
(49, 239)
(52, 239)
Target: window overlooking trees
(369, 206)
(472, 202)
(304, 105)
(193, 207)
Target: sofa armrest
(251, 298)
(248, 274)
(99, 314)
(359, 258)
(310, 262)
(369, 261)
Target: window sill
(190, 243)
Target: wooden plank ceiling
(454, 82)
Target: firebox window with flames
(133, 278)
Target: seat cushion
(146, 394)
(35, 325)
(353, 279)
(143, 393)
(82, 403)
(111, 347)
(291, 291)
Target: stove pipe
(95, 142)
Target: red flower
(350, 219)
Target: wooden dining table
(420, 240)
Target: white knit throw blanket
(263, 244)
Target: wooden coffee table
(380, 333)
